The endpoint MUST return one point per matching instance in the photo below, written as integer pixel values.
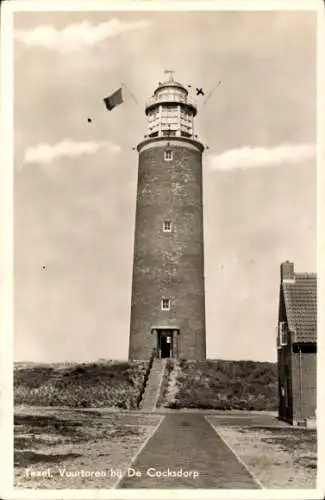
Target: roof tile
(300, 298)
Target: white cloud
(46, 153)
(251, 157)
(76, 36)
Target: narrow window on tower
(168, 155)
(165, 304)
(167, 226)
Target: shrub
(224, 385)
(110, 384)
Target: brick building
(168, 299)
(297, 345)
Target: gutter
(300, 385)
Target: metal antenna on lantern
(169, 72)
(210, 93)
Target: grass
(104, 384)
(211, 384)
(26, 458)
(301, 440)
(279, 457)
(75, 441)
(224, 385)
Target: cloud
(252, 157)
(46, 153)
(76, 36)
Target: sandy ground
(74, 449)
(58, 448)
(278, 457)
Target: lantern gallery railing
(175, 99)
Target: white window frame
(167, 226)
(168, 155)
(282, 334)
(165, 304)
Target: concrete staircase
(152, 390)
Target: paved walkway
(188, 442)
(152, 390)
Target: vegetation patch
(225, 385)
(295, 439)
(103, 384)
(279, 457)
(27, 458)
(95, 442)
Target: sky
(75, 180)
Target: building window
(283, 334)
(168, 155)
(165, 304)
(168, 132)
(172, 132)
(167, 226)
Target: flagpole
(133, 97)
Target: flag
(113, 100)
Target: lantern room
(170, 111)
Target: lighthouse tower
(168, 301)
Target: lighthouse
(168, 295)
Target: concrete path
(152, 390)
(188, 442)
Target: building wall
(295, 406)
(169, 265)
(305, 407)
(284, 367)
(285, 383)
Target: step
(152, 389)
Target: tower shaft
(168, 299)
